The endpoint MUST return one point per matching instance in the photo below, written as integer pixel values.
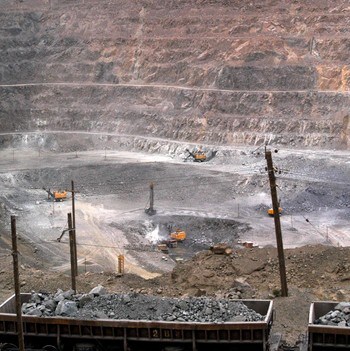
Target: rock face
(139, 307)
(224, 72)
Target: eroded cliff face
(210, 71)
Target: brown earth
(313, 272)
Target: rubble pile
(99, 305)
(339, 317)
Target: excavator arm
(56, 195)
(198, 156)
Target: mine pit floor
(224, 200)
(211, 205)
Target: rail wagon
(326, 337)
(71, 334)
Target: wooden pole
(71, 246)
(74, 231)
(17, 286)
(276, 216)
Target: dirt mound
(313, 273)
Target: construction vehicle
(197, 155)
(178, 235)
(163, 247)
(271, 212)
(59, 195)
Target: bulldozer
(59, 195)
(178, 235)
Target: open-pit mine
(150, 121)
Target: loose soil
(224, 200)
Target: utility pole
(74, 229)
(71, 250)
(17, 287)
(151, 197)
(276, 216)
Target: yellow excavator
(59, 195)
(197, 155)
(178, 235)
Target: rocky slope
(224, 72)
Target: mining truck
(71, 334)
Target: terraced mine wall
(222, 72)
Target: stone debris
(98, 290)
(340, 316)
(133, 306)
(221, 249)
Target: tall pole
(151, 197)
(276, 217)
(151, 211)
(17, 287)
(71, 247)
(74, 231)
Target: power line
(143, 186)
(317, 229)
